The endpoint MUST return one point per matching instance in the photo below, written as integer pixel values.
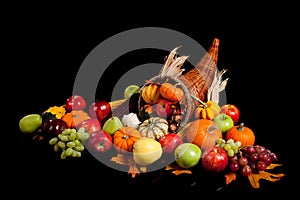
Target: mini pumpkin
(241, 133)
(202, 132)
(125, 137)
(154, 127)
(150, 93)
(75, 117)
(171, 92)
(207, 110)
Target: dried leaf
(128, 160)
(173, 64)
(177, 170)
(217, 86)
(143, 169)
(231, 176)
(254, 178)
(133, 170)
(181, 171)
(273, 165)
(121, 159)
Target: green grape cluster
(69, 141)
(230, 146)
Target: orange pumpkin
(241, 133)
(150, 93)
(125, 137)
(171, 92)
(202, 132)
(75, 117)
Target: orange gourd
(75, 117)
(202, 132)
(208, 110)
(125, 137)
(150, 93)
(241, 133)
(171, 92)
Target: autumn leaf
(231, 176)
(255, 177)
(121, 159)
(273, 165)
(128, 160)
(177, 170)
(133, 170)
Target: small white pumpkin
(154, 127)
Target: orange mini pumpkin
(202, 132)
(171, 92)
(125, 137)
(241, 133)
(75, 117)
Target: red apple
(164, 108)
(53, 127)
(75, 102)
(90, 125)
(169, 142)
(100, 110)
(100, 141)
(215, 159)
(232, 111)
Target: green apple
(130, 90)
(146, 151)
(224, 122)
(112, 124)
(187, 155)
(30, 123)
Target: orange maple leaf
(254, 178)
(177, 170)
(128, 160)
(133, 170)
(231, 176)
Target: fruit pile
(152, 128)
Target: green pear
(112, 124)
(130, 90)
(30, 123)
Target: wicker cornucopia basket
(194, 83)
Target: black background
(46, 50)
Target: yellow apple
(146, 151)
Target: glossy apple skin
(100, 141)
(169, 142)
(232, 111)
(164, 108)
(53, 127)
(224, 122)
(100, 110)
(215, 159)
(90, 125)
(75, 102)
(187, 155)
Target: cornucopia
(177, 102)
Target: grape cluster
(230, 146)
(252, 159)
(69, 141)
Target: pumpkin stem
(240, 127)
(211, 129)
(200, 101)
